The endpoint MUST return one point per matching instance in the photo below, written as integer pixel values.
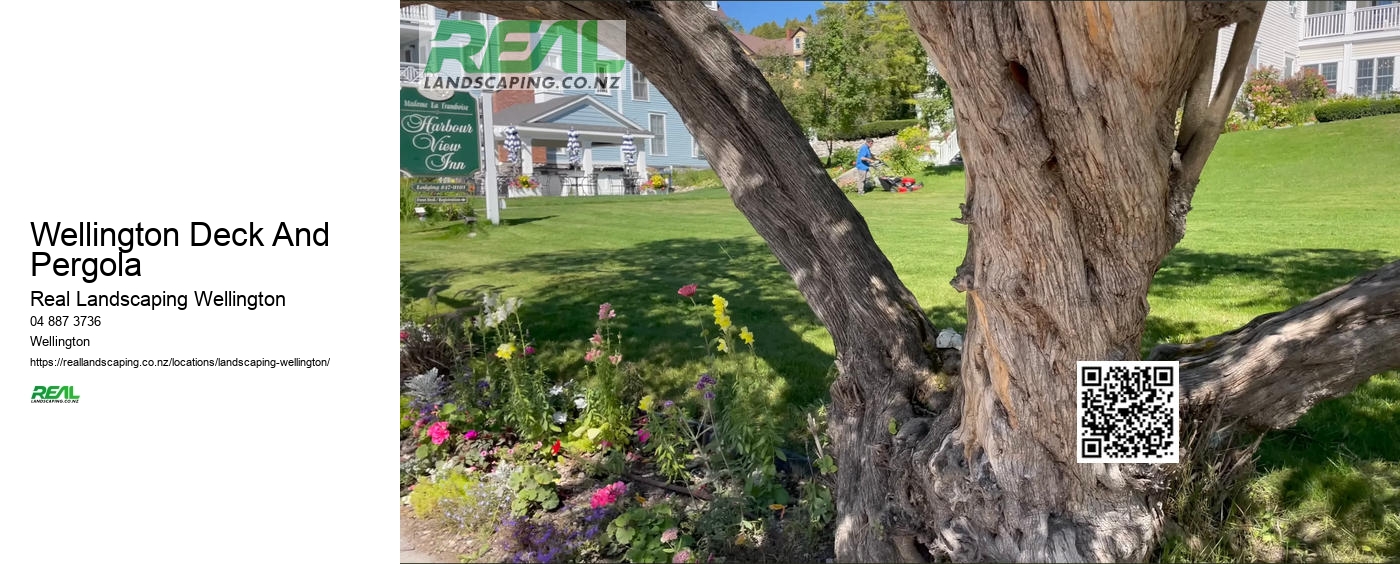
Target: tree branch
(1271, 371)
(1193, 159)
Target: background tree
(899, 60)
(839, 48)
(1077, 188)
(935, 103)
(768, 30)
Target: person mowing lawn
(863, 161)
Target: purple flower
(643, 435)
(709, 395)
(705, 380)
(668, 404)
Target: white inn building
(1352, 44)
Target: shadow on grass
(425, 283)
(524, 220)
(945, 170)
(1338, 470)
(1300, 274)
(660, 327)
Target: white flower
(560, 418)
(556, 390)
(580, 402)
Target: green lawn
(1279, 217)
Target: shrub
(1267, 97)
(1301, 113)
(1306, 86)
(914, 137)
(883, 128)
(696, 178)
(1353, 108)
(844, 157)
(472, 502)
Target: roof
(535, 115)
(764, 47)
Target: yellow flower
(645, 404)
(723, 346)
(504, 351)
(723, 321)
(720, 303)
(641, 499)
(777, 507)
(746, 335)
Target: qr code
(1128, 412)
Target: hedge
(1357, 108)
(885, 128)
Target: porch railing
(1377, 18)
(421, 13)
(1323, 25)
(410, 73)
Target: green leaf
(592, 434)
(422, 452)
(448, 409)
(893, 427)
(624, 535)
(550, 503)
(779, 453)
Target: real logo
(576, 41)
(53, 394)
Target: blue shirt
(863, 154)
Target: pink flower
(485, 454)
(592, 355)
(643, 435)
(687, 290)
(615, 359)
(605, 311)
(682, 555)
(403, 335)
(439, 432)
(529, 350)
(597, 339)
(608, 495)
(470, 434)
(670, 534)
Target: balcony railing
(410, 73)
(1377, 18)
(1374, 18)
(1323, 25)
(422, 14)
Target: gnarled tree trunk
(1077, 187)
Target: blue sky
(753, 13)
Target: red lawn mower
(900, 184)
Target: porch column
(587, 165)
(642, 161)
(527, 156)
(1349, 19)
(1346, 69)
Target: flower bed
(585, 466)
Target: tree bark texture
(1077, 187)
